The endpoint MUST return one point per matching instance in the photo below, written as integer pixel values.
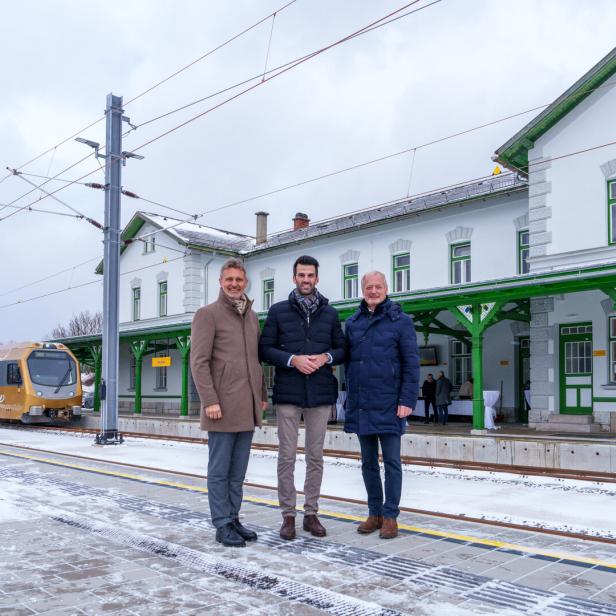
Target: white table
(461, 407)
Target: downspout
(206, 276)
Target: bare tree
(82, 324)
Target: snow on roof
(211, 237)
(194, 233)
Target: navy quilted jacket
(287, 332)
(382, 369)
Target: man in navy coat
(302, 337)
(382, 373)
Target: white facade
(564, 208)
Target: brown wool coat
(225, 365)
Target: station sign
(161, 362)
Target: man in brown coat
(228, 376)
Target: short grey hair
(233, 263)
(373, 273)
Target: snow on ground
(560, 504)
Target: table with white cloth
(461, 407)
(490, 399)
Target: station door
(575, 378)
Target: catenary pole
(111, 271)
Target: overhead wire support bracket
(93, 222)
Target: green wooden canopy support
(476, 318)
(183, 345)
(96, 353)
(138, 348)
(611, 293)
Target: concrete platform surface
(92, 538)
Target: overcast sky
(449, 67)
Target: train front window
(52, 368)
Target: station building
(511, 280)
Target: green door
(575, 378)
(523, 378)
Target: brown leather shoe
(287, 530)
(313, 526)
(370, 524)
(389, 529)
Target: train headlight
(71, 394)
(39, 394)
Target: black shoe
(243, 532)
(228, 536)
(426, 421)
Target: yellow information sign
(161, 362)
(599, 353)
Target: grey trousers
(315, 424)
(227, 463)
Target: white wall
(575, 186)
(578, 308)
(150, 266)
(493, 249)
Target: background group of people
(437, 394)
(302, 337)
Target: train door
(11, 390)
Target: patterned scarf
(308, 303)
(240, 304)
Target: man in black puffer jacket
(302, 337)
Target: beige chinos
(315, 425)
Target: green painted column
(138, 348)
(477, 356)
(183, 344)
(97, 356)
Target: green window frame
(350, 280)
(612, 349)
(611, 211)
(460, 259)
(523, 251)
(268, 293)
(402, 272)
(132, 371)
(161, 373)
(136, 303)
(162, 299)
(461, 361)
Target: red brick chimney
(301, 221)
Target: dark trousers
(228, 460)
(427, 403)
(390, 448)
(443, 413)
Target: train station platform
(510, 445)
(85, 537)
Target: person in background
(382, 373)
(224, 361)
(443, 397)
(428, 391)
(466, 390)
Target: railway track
(334, 498)
(531, 471)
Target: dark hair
(305, 260)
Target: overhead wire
(89, 283)
(153, 87)
(377, 23)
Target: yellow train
(40, 382)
